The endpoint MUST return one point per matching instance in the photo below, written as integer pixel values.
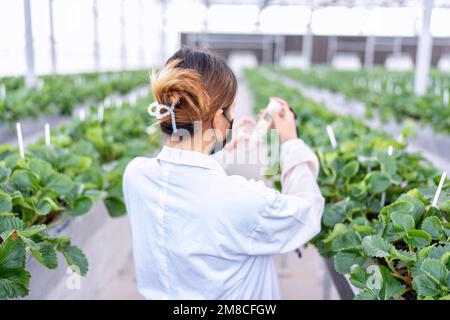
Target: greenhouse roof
(334, 3)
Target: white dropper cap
(274, 106)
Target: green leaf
(403, 254)
(75, 258)
(398, 206)
(14, 283)
(350, 169)
(347, 240)
(439, 251)
(435, 269)
(358, 276)
(43, 207)
(44, 252)
(34, 229)
(24, 180)
(433, 226)
(365, 295)
(343, 261)
(14, 280)
(5, 202)
(403, 220)
(116, 207)
(4, 174)
(378, 181)
(334, 213)
(81, 206)
(29, 244)
(391, 288)
(417, 238)
(363, 228)
(445, 257)
(425, 286)
(12, 253)
(388, 163)
(418, 206)
(338, 229)
(60, 183)
(423, 253)
(375, 246)
(42, 169)
(8, 224)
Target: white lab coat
(201, 234)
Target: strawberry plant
(378, 224)
(59, 94)
(391, 93)
(84, 163)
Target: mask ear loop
(227, 139)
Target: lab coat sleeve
(291, 218)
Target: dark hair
(198, 82)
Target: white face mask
(219, 145)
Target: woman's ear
(219, 122)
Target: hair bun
(182, 87)
(198, 82)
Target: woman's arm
(299, 170)
(293, 218)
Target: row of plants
(83, 164)
(378, 224)
(59, 94)
(390, 93)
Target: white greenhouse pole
(96, 37)
(332, 44)
(267, 49)
(123, 48)
(163, 30)
(52, 37)
(142, 39)
(423, 58)
(205, 28)
(279, 47)
(369, 52)
(30, 78)
(397, 46)
(307, 45)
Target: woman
(197, 232)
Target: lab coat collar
(189, 158)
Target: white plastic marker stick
(439, 189)
(107, 102)
(383, 199)
(82, 115)
(383, 195)
(2, 92)
(47, 134)
(445, 97)
(331, 136)
(100, 112)
(390, 150)
(20, 140)
(132, 100)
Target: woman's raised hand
(284, 121)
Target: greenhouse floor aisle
(303, 278)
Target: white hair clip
(155, 108)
